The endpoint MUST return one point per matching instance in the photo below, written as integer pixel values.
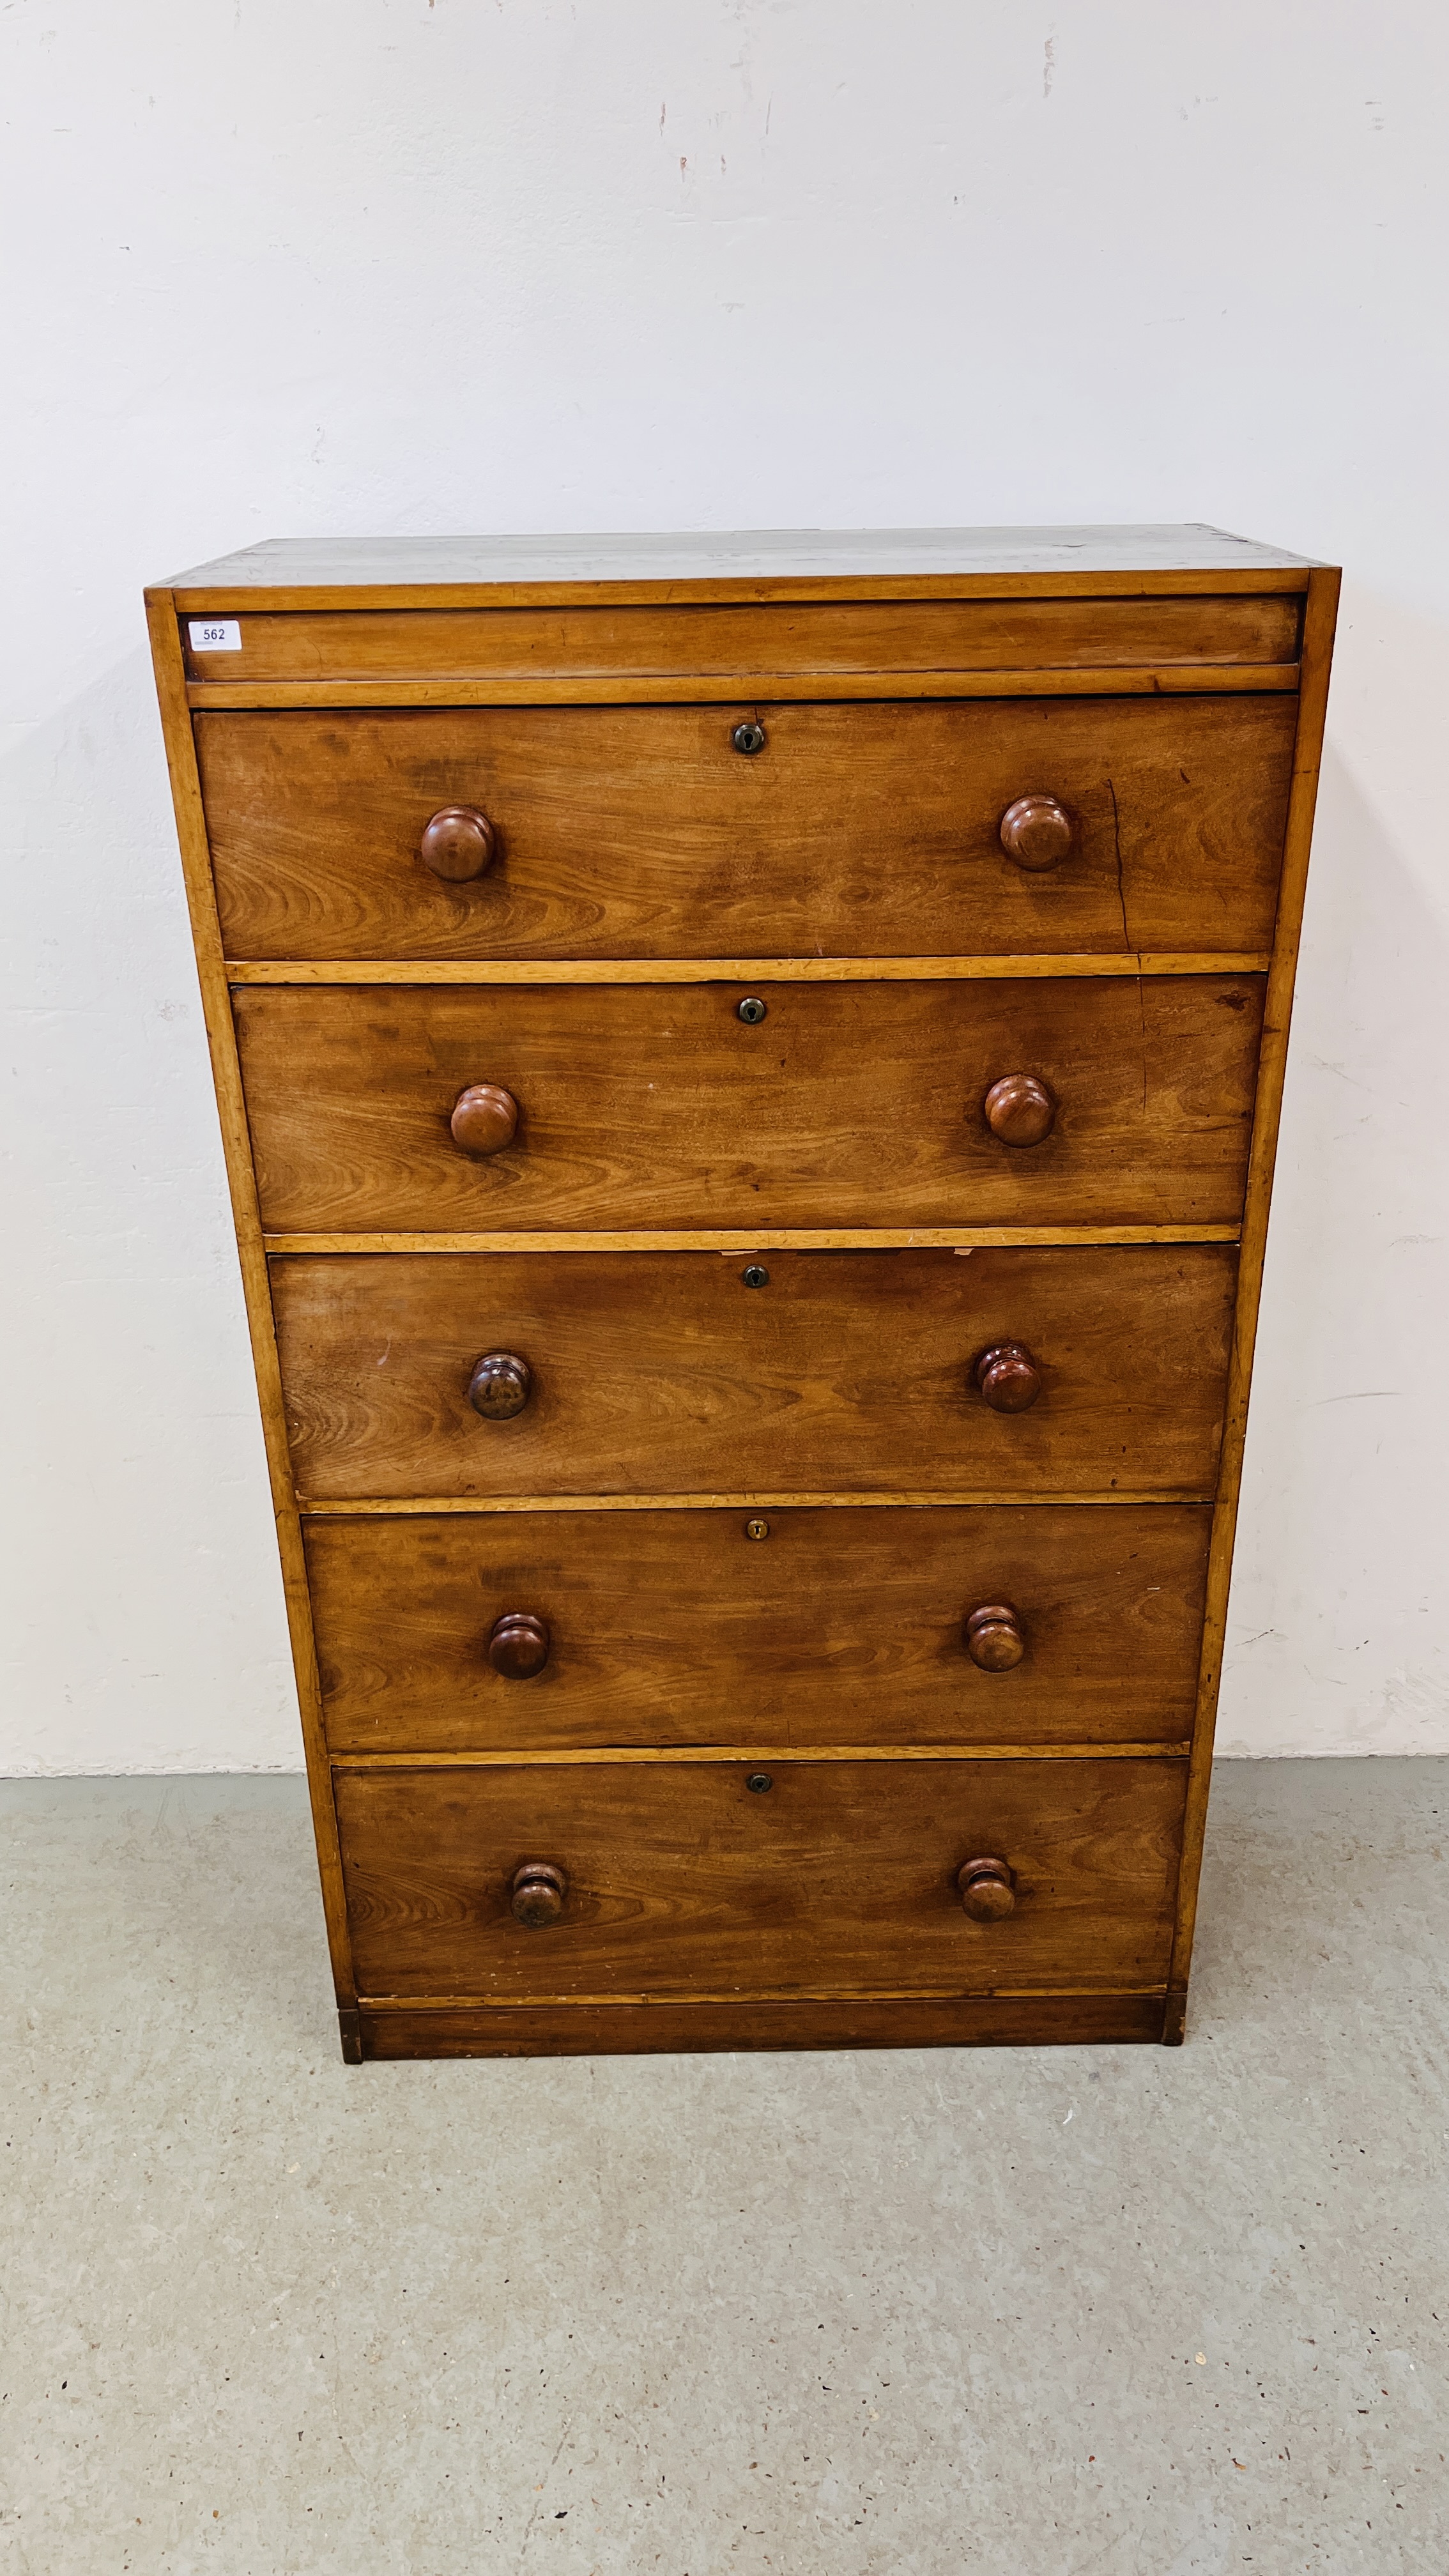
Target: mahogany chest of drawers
(750, 1070)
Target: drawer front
(725, 1627)
(860, 830)
(848, 1104)
(844, 1372)
(845, 635)
(840, 1877)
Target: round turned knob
(518, 1647)
(988, 1889)
(1008, 1377)
(994, 1638)
(539, 1889)
(1019, 1109)
(485, 1118)
(458, 843)
(1036, 831)
(500, 1386)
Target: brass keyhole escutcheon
(757, 1529)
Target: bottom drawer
(680, 1880)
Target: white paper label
(215, 634)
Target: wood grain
(718, 639)
(659, 567)
(665, 1373)
(1319, 627)
(868, 830)
(653, 1106)
(606, 2030)
(673, 1628)
(680, 1880)
(226, 1075)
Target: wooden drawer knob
(500, 1386)
(458, 843)
(1008, 1377)
(995, 1639)
(1036, 831)
(518, 1647)
(1019, 1109)
(988, 1889)
(539, 1889)
(485, 1118)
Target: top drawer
(857, 830)
(747, 642)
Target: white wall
(383, 264)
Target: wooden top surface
(763, 557)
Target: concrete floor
(1135, 2312)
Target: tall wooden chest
(750, 1069)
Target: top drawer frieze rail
(839, 638)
